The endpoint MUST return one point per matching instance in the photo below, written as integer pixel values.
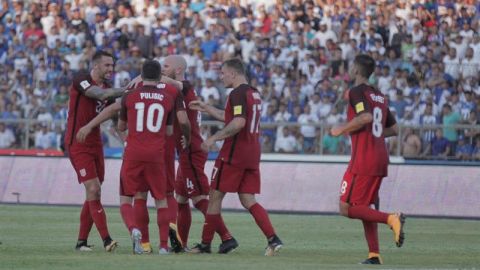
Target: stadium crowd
(297, 52)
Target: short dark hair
(99, 54)
(365, 64)
(151, 70)
(235, 64)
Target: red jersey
(81, 110)
(194, 117)
(147, 110)
(369, 151)
(243, 149)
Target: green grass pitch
(43, 237)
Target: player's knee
(247, 200)
(94, 191)
(181, 199)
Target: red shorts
(170, 165)
(138, 176)
(360, 189)
(88, 163)
(191, 178)
(228, 178)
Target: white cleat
(137, 241)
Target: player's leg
(184, 219)
(142, 218)
(162, 222)
(86, 223)
(250, 186)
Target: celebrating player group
(160, 112)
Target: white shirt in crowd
(44, 140)
(6, 138)
(210, 91)
(285, 143)
(308, 131)
(452, 66)
(120, 78)
(469, 67)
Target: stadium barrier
(287, 185)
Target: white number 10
(152, 109)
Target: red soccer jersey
(147, 110)
(243, 149)
(194, 117)
(369, 151)
(81, 110)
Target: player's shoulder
(82, 79)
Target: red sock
(209, 227)
(172, 209)
(262, 220)
(184, 221)
(99, 217)
(202, 206)
(128, 216)
(162, 221)
(141, 218)
(86, 222)
(366, 213)
(371, 235)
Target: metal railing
(24, 131)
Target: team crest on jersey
(85, 84)
(83, 172)
(237, 110)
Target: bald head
(174, 66)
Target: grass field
(42, 237)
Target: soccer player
(369, 123)
(191, 181)
(141, 217)
(237, 166)
(145, 111)
(89, 94)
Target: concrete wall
(287, 186)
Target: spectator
(476, 151)
(411, 144)
(439, 147)
(464, 149)
(450, 118)
(7, 139)
(308, 119)
(44, 138)
(210, 91)
(286, 142)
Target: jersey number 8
(377, 127)
(152, 109)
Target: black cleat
(372, 260)
(227, 246)
(175, 241)
(274, 245)
(200, 248)
(109, 244)
(83, 246)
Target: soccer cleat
(274, 245)
(397, 222)
(373, 260)
(83, 246)
(147, 248)
(175, 240)
(200, 248)
(227, 246)
(137, 242)
(163, 251)
(110, 244)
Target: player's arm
(391, 127)
(363, 114)
(169, 125)
(182, 119)
(177, 84)
(122, 118)
(201, 106)
(121, 125)
(103, 116)
(99, 93)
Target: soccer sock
(366, 213)
(128, 216)
(209, 227)
(184, 221)
(162, 221)
(99, 218)
(141, 218)
(221, 229)
(262, 220)
(172, 209)
(86, 222)
(202, 206)
(371, 235)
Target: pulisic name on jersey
(156, 96)
(377, 98)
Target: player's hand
(134, 83)
(83, 133)
(184, 142)
(207, 144)
(336, 131)
(198, 105)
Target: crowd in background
(297, 53)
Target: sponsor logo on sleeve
(237, 110)
(359, 107)
(85, 84)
